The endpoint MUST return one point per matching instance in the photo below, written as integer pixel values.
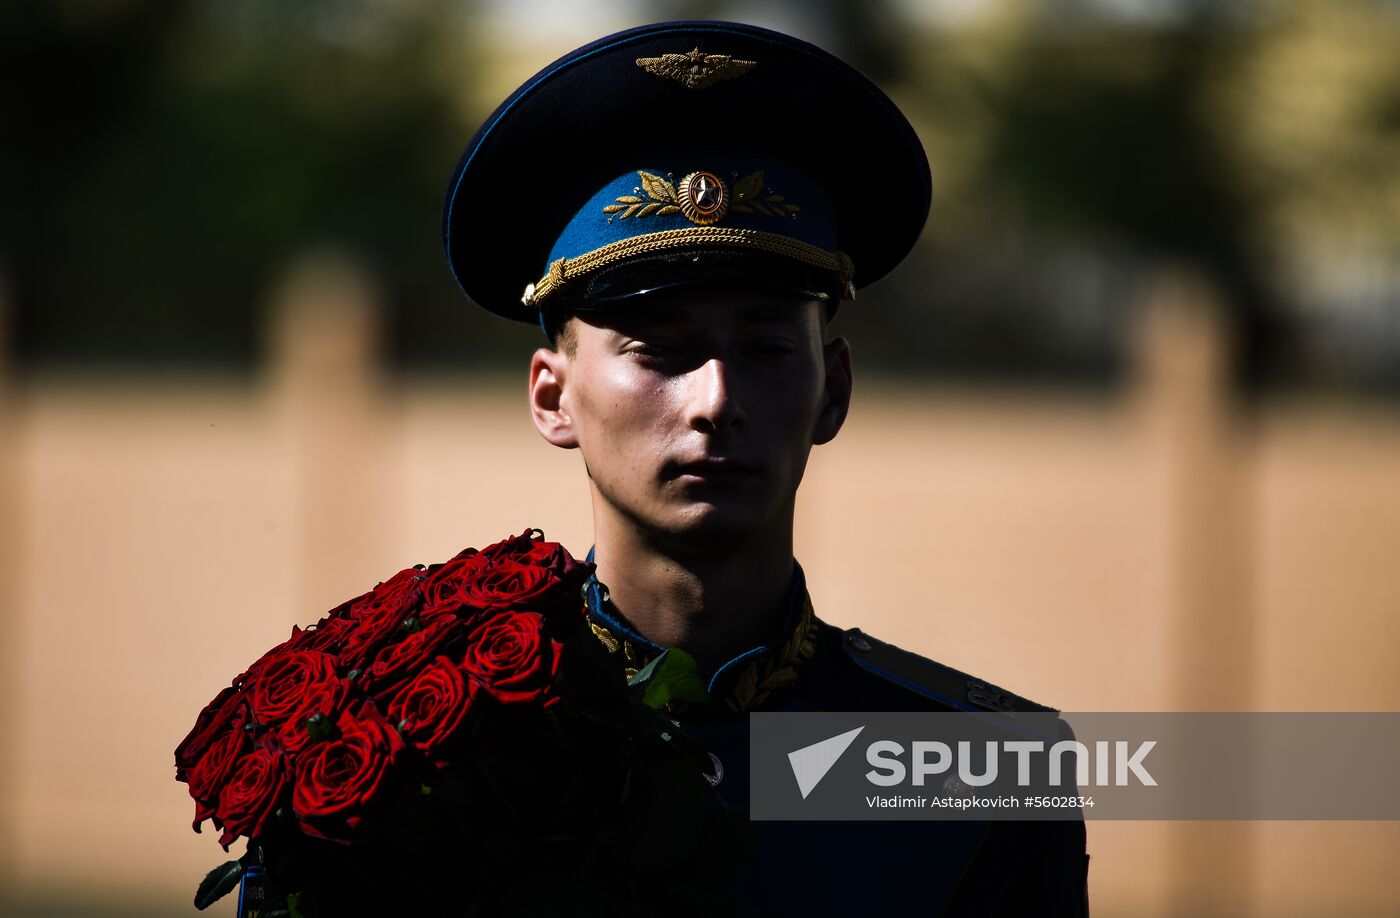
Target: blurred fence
(1157, 548)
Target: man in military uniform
(682, 208)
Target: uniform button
(718, 774)
(858, 640)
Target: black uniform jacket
(868, 868)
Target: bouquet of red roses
(456, 741)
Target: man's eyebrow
(641, 320)
(774, 313)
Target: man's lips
(714, 468)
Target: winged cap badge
(695, 70)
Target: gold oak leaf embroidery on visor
(749, 197)
(663, 199)
(695, 70)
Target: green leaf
(320, 727)
(672, 676)
(218, 883)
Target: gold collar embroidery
(775, 668)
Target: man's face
(696, 409)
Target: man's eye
(654, 350)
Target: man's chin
(710, 528)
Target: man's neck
(714, 605)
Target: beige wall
(1150, 550)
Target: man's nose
(714, 404)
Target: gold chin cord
(563, 270)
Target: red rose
(513, 658)
(431, 708)
(527, 549)
(464, 553)
(330, 632)
(402, 589)
(554, 558)
(510, 585)
(347, 608)
(211, 723)
(211, 773)
(244, 679)
(208, 754)
(249, 799)
(442, 591)
(377, 624)
(328, 636)
(551, 556)
(293, 687)
(337, 780)
(400, 661)
(513, 547)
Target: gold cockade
(695, 70)
(663, 200)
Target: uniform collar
(741, 683)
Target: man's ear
(548, 403)
(837, 392)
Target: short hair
(566, 336)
